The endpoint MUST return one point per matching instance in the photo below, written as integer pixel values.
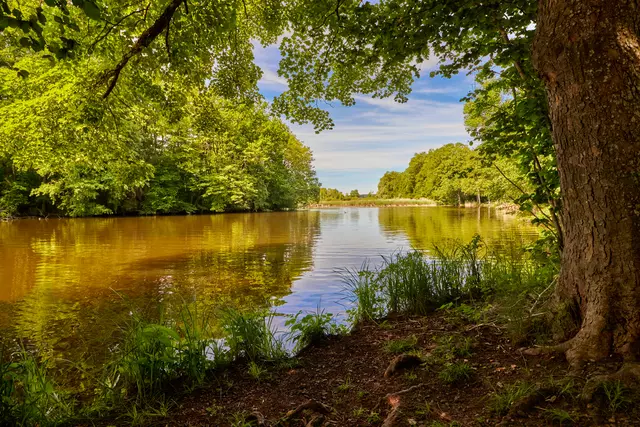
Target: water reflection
(67, 285)
(426, 227)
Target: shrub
(311, 328)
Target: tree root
(538, 351)
(628, 374)
(310, 405)
(396, 403)
(403, 361)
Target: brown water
(66, 284)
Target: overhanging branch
(145, 39)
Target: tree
(577, 81)
(389, 185)
(354, 194)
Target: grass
(558, 416)
(345, 386)
(456, 373)
(251, 336)
(461, 278)
(402, 345)
(257, 372)
(616, 395)
(502, 401)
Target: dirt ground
(342, 382)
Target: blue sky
(376, 135)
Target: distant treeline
(215, 156)
(332, 194)
(452, 174)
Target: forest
(452, 174)
(159, 145)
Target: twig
(481, 325)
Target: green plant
(616, 395)
(451, 346)
(374, 418)
(239, 419)
(559, 416)
(363, 288)
(502, 401)
(256, 371)
(311, 328)
(455, 373)
(402, 345)
(359, 412)
(411, 376)
(250, 335)
(346, 385)
(28, 394)
(148, 358)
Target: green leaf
(91, 10)
(23, 73)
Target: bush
(311, 328)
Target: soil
(342, 380)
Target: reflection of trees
(73, 306)
(427, 226)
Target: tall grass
(252, 336)
(28, 395)
(410, 283)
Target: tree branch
(145, 39)
(516, 63)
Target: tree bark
(588, 54)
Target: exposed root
(256, 418)
(539, 351)
(310, 405)
(404, 361)
(394, 400)
(628, 374)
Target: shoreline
(325, 385)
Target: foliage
(329, 194)
(311, 328)
(28, 395)
(176, 136)
(456, 373)
(250, 335)
(451, 174)
(502, 400)
(411, 283)
(401, 345)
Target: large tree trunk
(588, 54)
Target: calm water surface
(66, 285)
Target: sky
(376, 135)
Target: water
(66, 284)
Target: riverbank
(460, 373)
(371, 202)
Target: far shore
(367, 202)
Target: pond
(67, 284)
